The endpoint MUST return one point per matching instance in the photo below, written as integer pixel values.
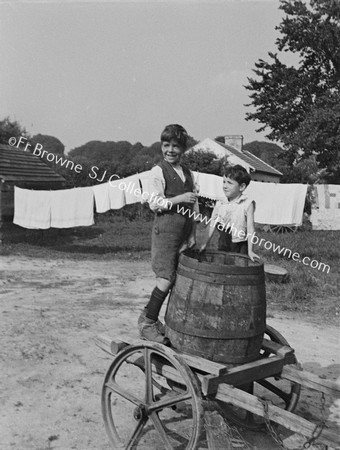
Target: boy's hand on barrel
(253, 256)
(191, 241)
(202, 248)
(183, 247)
(189, 197)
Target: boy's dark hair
(176, 132)
(237, 173)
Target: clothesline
(67, 208)
(275, 203)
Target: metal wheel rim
(249, 421)
(148, 406)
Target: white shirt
(157, 187)
(233, 214)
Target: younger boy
(234, 216)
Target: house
(23, 169)
(232, 148)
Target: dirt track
(51, 370)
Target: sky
(111, 71)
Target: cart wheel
(282, 393)
(283, 228)
(145, 411)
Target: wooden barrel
(217, 307)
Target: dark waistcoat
(173, 183)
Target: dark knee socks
(155, 303)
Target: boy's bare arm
(211, 230)
(250, 232)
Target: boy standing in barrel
(173, 186)
(234, 215)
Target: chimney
(235, 140)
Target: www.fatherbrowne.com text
(268, 245)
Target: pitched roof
(17, 165)
(256, 163)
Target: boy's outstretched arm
(250, 232)
(211, 229)
(191, 241)
(204, 244)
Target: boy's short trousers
(225, 244)
(169, 232)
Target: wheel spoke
(114, 387)
(159, 427)
(287, 392)
(168, 402)
(151, 395)
(279, 392)
(148, 376)
(136, 434)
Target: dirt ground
(52, 372)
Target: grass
(310, 291)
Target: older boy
(173, 185)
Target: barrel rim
(230, 279)
(186, 260)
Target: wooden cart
(155, 397)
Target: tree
(50, 143)
(300, 105)
(203, 161)
(191, 142)
(305, 171)
(9, 128)
(269, 152)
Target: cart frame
(210, 380)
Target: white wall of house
(266, 178)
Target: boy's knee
(164, 285)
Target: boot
(149, 331)
(159, 324)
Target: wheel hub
(140, 412)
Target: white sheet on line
(101, 197)
(72, 207)
(144, 178)
(116, 195)
(209, 186)
(32, 209)
(131, 188)
(278, 204)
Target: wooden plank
(109, 346)
(311, 381)
(280, 350)
(202, 364)
(291, 421)
(243, 374)
(196, 362)
(159, 367)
